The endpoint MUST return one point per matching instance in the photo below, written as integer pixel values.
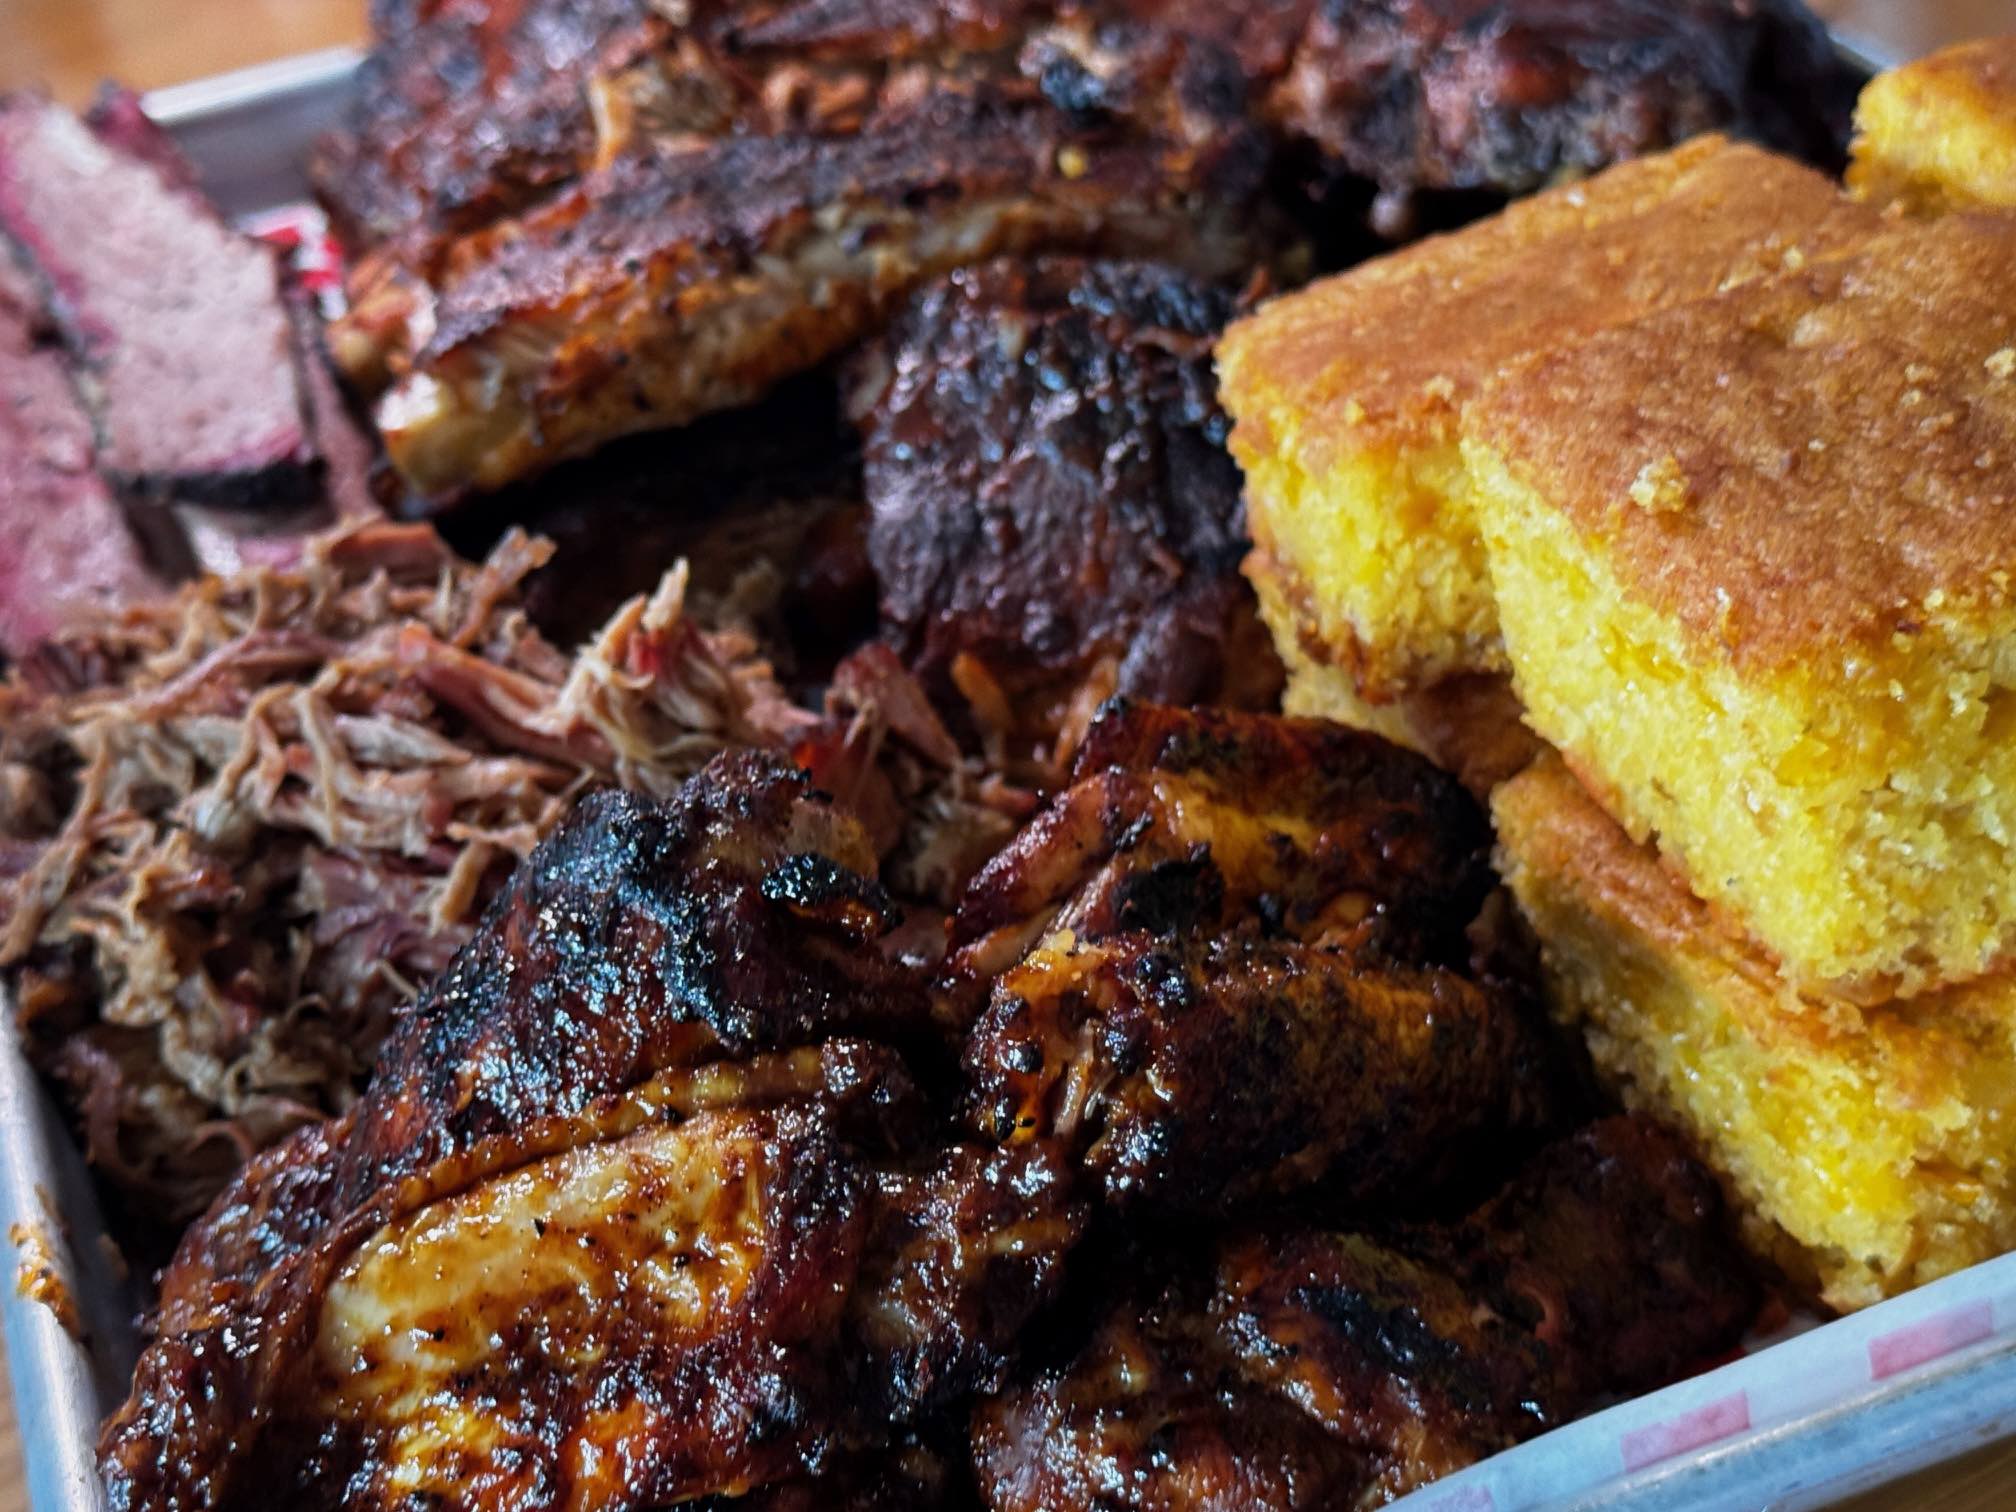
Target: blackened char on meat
(629, 1083)
(176, 323)
(1053, 515)
(580, 222)
(1300, 1368)
(1503, 96)
(679, 280)
(468, 108)
(1242, 969)
(64, 545)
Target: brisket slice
(176, 323)
(227, 541)
(64, 545)
(119, 120)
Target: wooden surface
(69, 45)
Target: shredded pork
(241, 826)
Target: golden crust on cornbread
(1871, 1150)
(1346, 393)
(1940, 134)
(1755, 560)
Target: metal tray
(1797, 1447)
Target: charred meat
(585, 221)
(1252, 977)
(1501, 97)
(1199, 1074)
(1308, 1369)
(621, 1220)
(1201, 821)
(752, 215)
(468, 109)
(1053, 516)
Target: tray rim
(1964, 1400)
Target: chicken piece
(1196, 1074)
(739, 917)
(685, 1309)
(1054, 517)
(964, 1248)
(597, 1233)
(1310, 1369)
(1485, 95)
(1154, 1413)
(640, 938)
(1254, 973)
(1195, 820)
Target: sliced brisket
(176, 323)
(64, 545)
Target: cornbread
(1940, 134)
(1346, 394)
(1870, 1149)
(1753, 559)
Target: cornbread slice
(1346, 393)
(1940, 134)
(1871, 1150)
(1755, 561)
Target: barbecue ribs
(1505, 96)
(576, 222)
(1305, 1369)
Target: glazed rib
(672, 283)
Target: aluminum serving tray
(1831, 1411)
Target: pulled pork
(241, 826)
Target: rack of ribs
(576, 222)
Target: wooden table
(69, 45)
